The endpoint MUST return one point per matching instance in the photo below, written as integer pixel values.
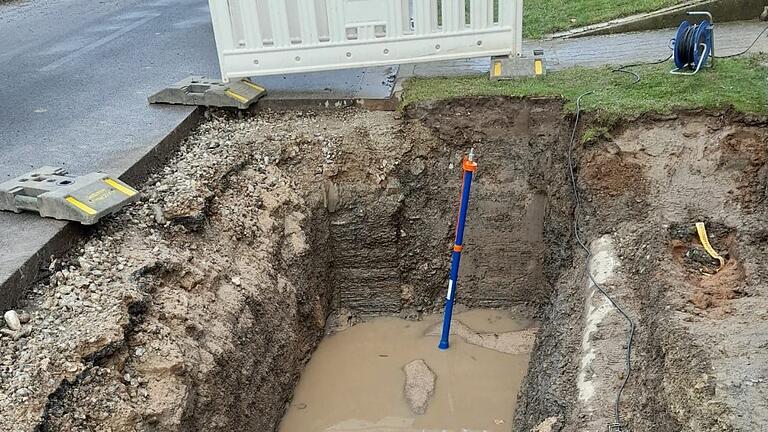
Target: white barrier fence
(267, 37)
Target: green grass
(547, 16)
(594, 133)
(741, 83)
(541, 17)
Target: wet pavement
(76, 75)
(601, 50)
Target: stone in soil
(419, 385)
(12, 320)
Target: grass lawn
(547, 16)
(741, 82)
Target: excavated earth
(197, 308)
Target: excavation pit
(199, 307)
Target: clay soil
(197, 308)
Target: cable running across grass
(637, 78)
(748, 48)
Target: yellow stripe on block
(252, 85)
(538, 67)
(236, 96)
(497, 68)
(704, 239)
(124, 189)
(81, 206)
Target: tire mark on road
(96, 44)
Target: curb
(13, 288)
(723, 11)
(389, 104)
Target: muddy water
(355, 379)
(492, 321)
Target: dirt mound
(612, 176)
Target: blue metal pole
(468, 167)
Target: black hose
(748, 48)
(688, 47)
(623, 69)
(576, 229)
(686, 50)
(688, 35)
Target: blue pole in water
(469, 167)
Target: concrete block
(52, 193)
(511, 67)
(201, 91)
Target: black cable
(629, 72)
(746, 50)
(623, 69)
(577, 208)
(685, 52)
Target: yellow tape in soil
(704, 239)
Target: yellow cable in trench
(704, 239)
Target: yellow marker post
(496, 69)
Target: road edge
(13, 288)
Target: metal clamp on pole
(468, 167)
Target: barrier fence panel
(267, 37)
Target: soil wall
(197, 308)
(261, 228)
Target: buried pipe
(468, 169)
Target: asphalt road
(75, 75)
(74, 78)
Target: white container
(268, 37)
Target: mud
(198, 308)
(355, 380)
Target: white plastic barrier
(267, 37)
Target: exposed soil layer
(197, 308)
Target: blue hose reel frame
(691, 51)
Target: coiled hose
(692, 44)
